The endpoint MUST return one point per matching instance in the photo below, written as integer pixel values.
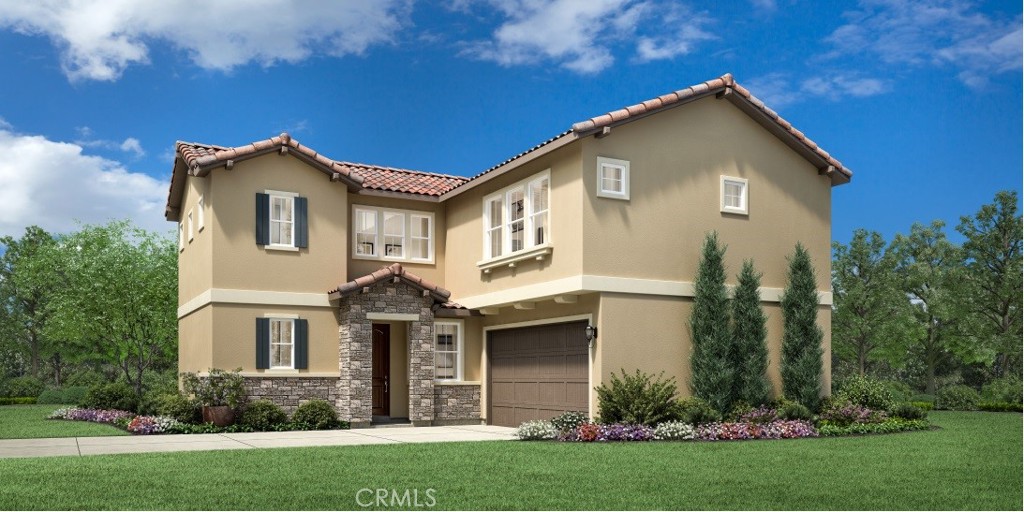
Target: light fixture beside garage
(591, 333)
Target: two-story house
(398, 294)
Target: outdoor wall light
(591, 332)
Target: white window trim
(181, 236)
(612, 162)
(270, 219)
(379, 250)
(745, 198)
(459, 348)
(529, 242)
(191, 231)
(282, 318)
(201, 210)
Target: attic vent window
(734, 195)
(612, 178)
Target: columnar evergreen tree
(749, 348)
(712, 371)
(801, 337)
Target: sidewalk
(243, 441)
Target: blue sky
(922, 100)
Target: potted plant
(219, 393)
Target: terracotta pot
(220, 415)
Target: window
(282, 343)
(612, 178)
(201, 213)
(447, 355)
(396, 235)
(517, 218)
(190, 230)
(181, 236)
(282, 220)
(734, 195)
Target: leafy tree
(990, 293)
(872, 317)
(117, 298)
(712, 370)
(801, 338)
(929, 264)
(26, 282)
(749, 348)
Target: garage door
(537, 372)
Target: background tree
(801, 338)
(117, 300)
(25, 284)
(872, 317)
(711, 367)
(749, 345)
(989, 296)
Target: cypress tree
(801, 338)
(711, 368)
(749, 348)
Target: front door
(381, 369)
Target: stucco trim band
(229, 296)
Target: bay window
(517, 217)
(393, 235)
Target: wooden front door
(381, 370)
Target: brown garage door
(537, 372)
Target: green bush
(900, 391)
(957, 398)
(789, 410)
(179, 407)
(75, 394)
(999, 407)
(317, 414)
(638, 399)
(888, 426)
(23, 386)
(924, 406)
(86, 378)
(17, 400)
(569, 420)
(1006, 389)
(909, 411)
(218, 388)
(738, 409)
(923, 398)
(114, 395)
(696, 411)
(866, 392)
(51, 396)
(262, 415)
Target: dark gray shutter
(301, 344)
(262, 219)
(301, 222)
(262, 343)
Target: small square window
(612, 178)
(734, 195)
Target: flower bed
(888, 426)
(148, 425)
(778, 429)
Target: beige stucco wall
(465, 229)
(676, 160)
(195, 272)
(433, 272)
(195, 352)
(234, 335)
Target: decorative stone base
(456, 403)
(290, 392)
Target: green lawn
(29, 421)
(974, 462)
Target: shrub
(848, 414)
(216, 389)
(51, 396)
(637, 399)
(18, 400)
(115, 395)
(179, 407)
(793, 411)
(898, 390)
(886, 427)
(673, 431)
(75, 394)
(262, 415)
(801, 366)
(69, 395)
(957, 398)
(537, 430)
(866, 392)
(738, 409)
(24, 386)
(317, 414)
(999, 407)
(909, 411)
(923, 398)
(569, 420)
(924, 406)
(1006, 389)
(696, 411)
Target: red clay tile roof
(389, 272)
(403, 180)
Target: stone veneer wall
(290, 392)
(457, 403)
(356, 347)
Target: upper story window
(447, 351)
(191, 231)
(394, 235)
(181, 236)
(282, 220)
(612, 178)
(734, 195)
(201, 213)
(518, 218)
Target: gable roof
(393, 271)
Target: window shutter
(301, 344)
(262, 219)
(301, 222)
(262, 343)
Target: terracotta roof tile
(391, 271)
(404, 180)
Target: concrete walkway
(248, 440)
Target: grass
(974, 462)
(29, 421)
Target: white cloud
(581, 35)
(87, 139)
(133, 146)
(99, 39)
(931, 33)
(779, 89)
(52, 184)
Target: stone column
(355, 350)
(421, 367)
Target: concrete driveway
(244, 441)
